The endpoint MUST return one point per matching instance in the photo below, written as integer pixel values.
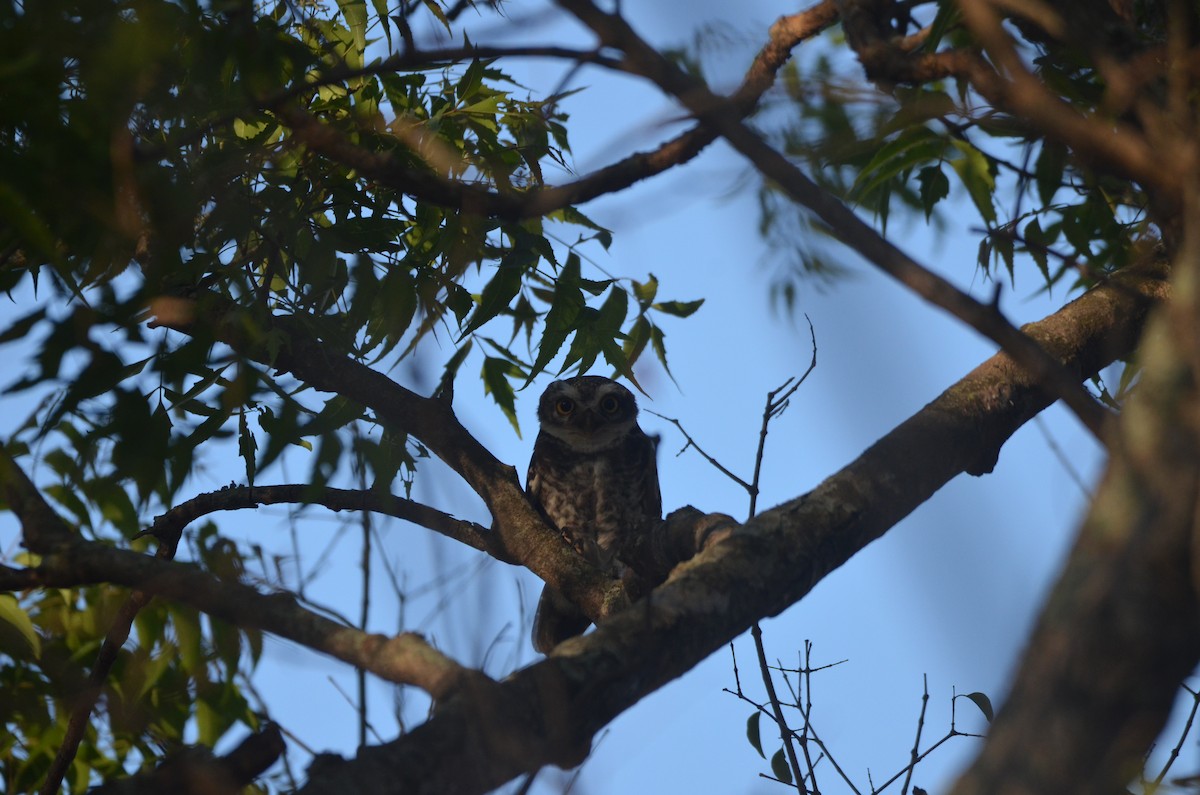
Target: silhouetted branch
(784, 35)
(843, 223)
(170, 524)
(404, 659)
(195, 771)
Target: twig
(916, 749)
(785, 735)
(777, 403)
(690, 442)
(1187, 727)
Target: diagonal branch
(787, 32)
(404, 659)
(843, 223)
(1108, 145)
(547, 713)
(41, 528)
(519, 532)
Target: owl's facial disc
(590, 414)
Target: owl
(595, 478)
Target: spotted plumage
(594, 476)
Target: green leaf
(1035, 244)
(984, 703)
(935, 186)
(16, 619)
(208, 723)
(753, 732)
(450, 371)
(436, 9)
(21, 327)
(1048, 170)
(247, 446)
(31, 230)
(779, 766)
(381, 11)
(975, 172)
(947, 17)
(355, 13)
(679, 308)
(496, 374)
(566, 304)
(897, 157)
(186, 623)
(613, 310)
(646, 292)
(503, 287)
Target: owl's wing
(535, 480)
(652, 496)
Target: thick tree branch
(195, 771)
(1121, 629)
(548, 712)
(404, 659)
(843, 223)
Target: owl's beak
(590, 421)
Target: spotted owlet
(594, 475)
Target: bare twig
(1187, 728)
(777, 403)
(916, 749)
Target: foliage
(144, 163)
(216, 214)
(913, 148)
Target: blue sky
(949, 593)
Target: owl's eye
(609, 404)
(564, 406)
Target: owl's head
(588, 412)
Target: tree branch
(195, 771)
(519, 532)
(545, 714)
(1108, 145)
(1120, 629)
(785, 34)
(843, 223)
(170, 525)
(405, 658)
(41, 528)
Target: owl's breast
(591, 496)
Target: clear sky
(949, 592)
